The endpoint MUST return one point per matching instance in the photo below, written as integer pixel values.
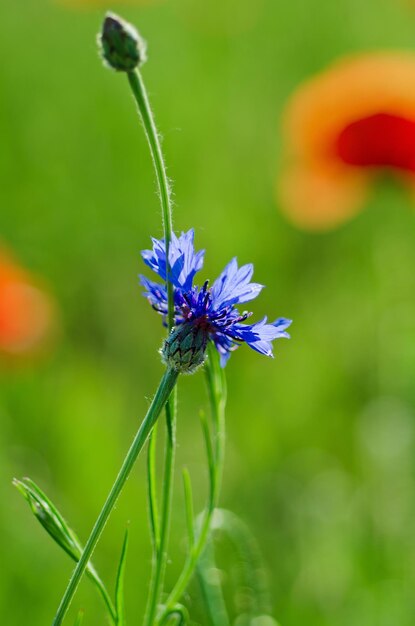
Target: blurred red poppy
(342, 128)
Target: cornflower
(203, 314)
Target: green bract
(122, 47)
(184, 349)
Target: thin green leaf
(216, 385)
(55, 525)
(208, 445)
(80, 618)
(119, 585)
(188, 498)
(152, 491)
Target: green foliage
(188, 499)
(119, 587)
(177, 616)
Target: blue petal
(184, 262)
(155, 293)
(224, 346)
(233, 286)
(260, 335)
(224, 358)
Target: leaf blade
(119, 584)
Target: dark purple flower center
(196, 307)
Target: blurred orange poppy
(343, 127)
(27, 313)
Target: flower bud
(53, 522)
(184, 349)
(50, 518)
(122, 47)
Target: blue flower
(211, 311)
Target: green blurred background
(320, 457)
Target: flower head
(122, 47)
(344, 126)
(205, 313)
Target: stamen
(219, 316)
(206, 299)
(158, 308)
(241, 318)
(235, 339)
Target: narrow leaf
(119, 585)
(152, 490)
(208, 444)
(188, 498)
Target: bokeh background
(320, 457)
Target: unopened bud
(50, 518)
(122, 47)
(184, 350)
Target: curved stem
(160, 544)
(216, 384)
(163, 392)
(140, 95)
(181, 614)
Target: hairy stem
(160, 545)
(140, 95)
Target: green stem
(179, 613)
(140, 95)
(217, 395)
(160, 558)
(163, 392)
(152, 492)
(160, 550)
